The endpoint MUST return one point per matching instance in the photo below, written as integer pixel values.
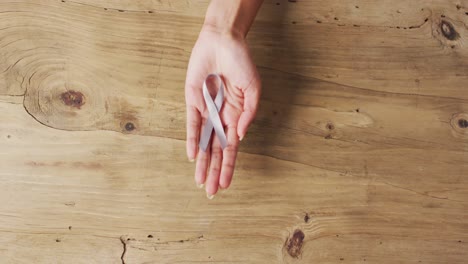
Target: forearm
(232, 16)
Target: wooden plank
(359, 152)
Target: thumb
(251, 98)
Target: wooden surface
(359, 153)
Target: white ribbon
(213, 121)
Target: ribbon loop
(214, 120)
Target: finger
(193, 131)
(201, 169)
(212, 182)
(229, 158)
(251, 98)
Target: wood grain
(359, 152)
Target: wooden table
(359, 152)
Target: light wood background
(359, 153)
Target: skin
(221, 48)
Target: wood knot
(448, 30)
(73, 99)
(459, 124)
(294, 244)
(129, 126)
(463, 123)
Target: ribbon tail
(206, 135)
(218, 127)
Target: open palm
(228, 55)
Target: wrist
(233, 17)
(222, 30)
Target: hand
(228, 55)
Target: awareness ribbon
(213, 121)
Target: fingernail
(209, 196)
(242, 137)
(191, 160)
(200, 185)
(223, 190)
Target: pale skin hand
(224, 52)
